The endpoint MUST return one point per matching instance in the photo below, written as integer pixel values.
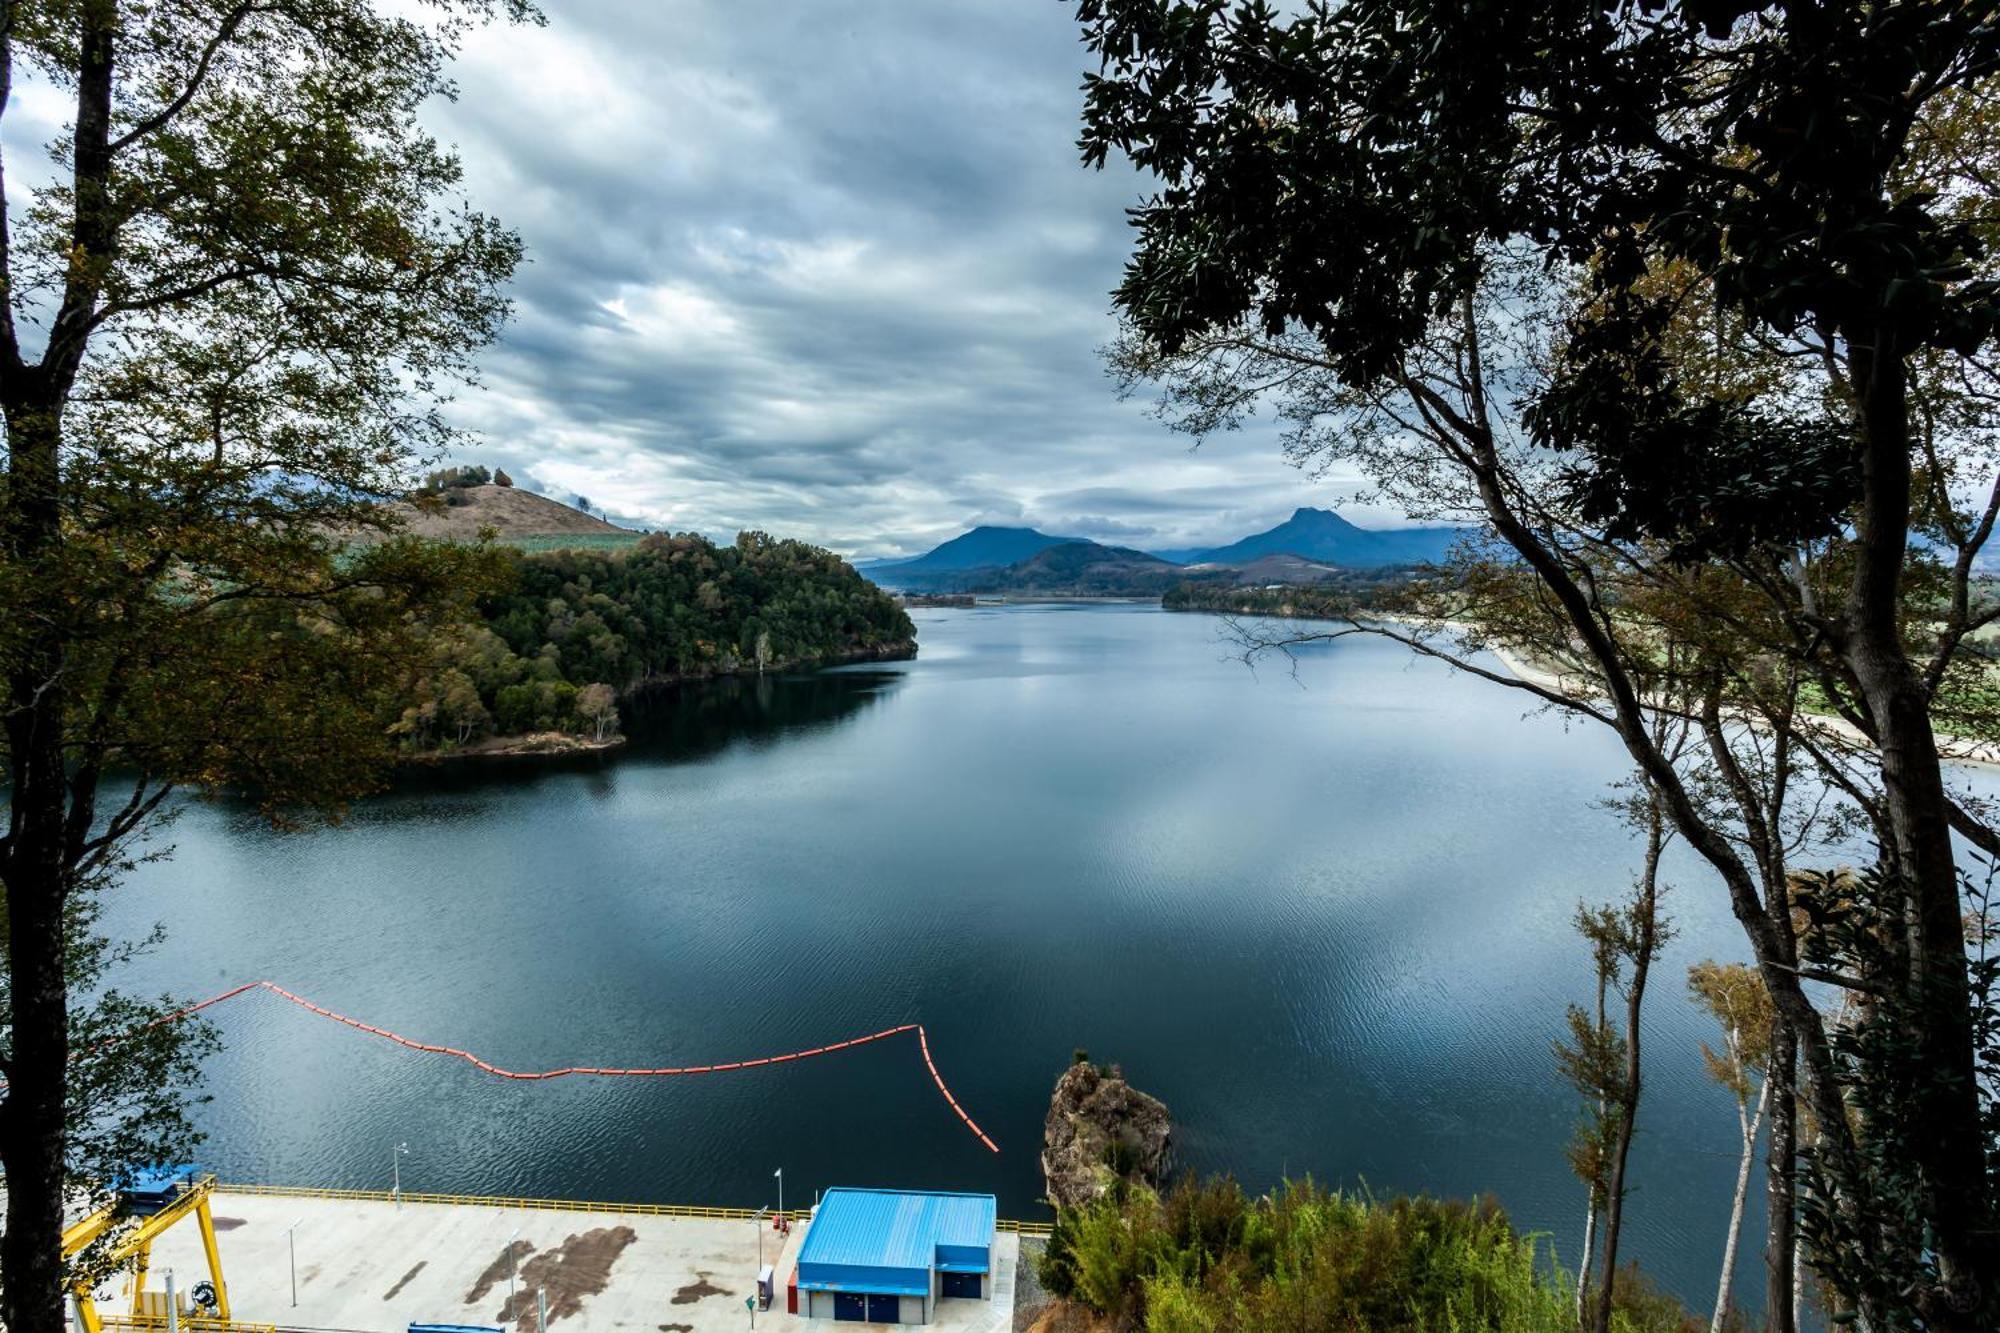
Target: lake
(1324, 915)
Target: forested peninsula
(1337, 594)
(567, 633)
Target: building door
(850, 1306)
(885, 1309)
(961, 1284)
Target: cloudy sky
(828, 268)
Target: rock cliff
(1101, 1129)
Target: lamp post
(396, 1156)
(779, 1175)
(292, 1253)
(513, 1315)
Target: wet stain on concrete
(404, 1280)
(496, 1272)
(569, 1274)
(697, 1289)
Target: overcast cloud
(829, 268)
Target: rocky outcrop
(1101, 1129)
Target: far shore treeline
(566, 633)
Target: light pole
(396, 1156)
(513, 1315)
(292, 1252)
(779, 1174)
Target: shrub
(1208, 1257)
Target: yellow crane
(170, 1197)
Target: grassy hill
(520, 518)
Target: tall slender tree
(239, 290)
(1736, 997)
(1602, 1058)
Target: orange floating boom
(923, 1047)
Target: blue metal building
(888, 1256)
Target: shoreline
(546, 745)
(1959, 750)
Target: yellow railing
(195, 1323)
(554, 1205)
(499, 1201)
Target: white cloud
(828, 269)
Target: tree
(1340, 189)
(1602, 1059)
(231, 311)
(501, 479)
(1736, 997)
(598, 705)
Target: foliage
(1479, 250)
(1208, 1257)
(1882, 1259)
(573, 630)
(133, 1079)
(537, 543)
(1348, 591)
(451, 482)
(1734, 994)
(238, 288)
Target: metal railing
(192, 1323)
(696, 1211)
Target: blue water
(1324, 916)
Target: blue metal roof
(889, 1240)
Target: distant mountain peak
(1323, 535)
(988, 545)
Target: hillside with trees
(571, 632)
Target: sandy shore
(1951, 749)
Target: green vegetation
(452, 481)
(575, 629)
(242, 280)
(539, 542)
(1343, 594)
(1691, 307)
(1207, 1257)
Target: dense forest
(570, 632)
(1349, 591)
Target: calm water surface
(1325, 918)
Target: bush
(455, 478)
(1208, 1257)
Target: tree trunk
(33, 1122)
(1781, 1178)
(1949, 1151)
(1583, 1269)
(1749, 1124)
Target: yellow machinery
(172, 1199)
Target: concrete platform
(368, 1267)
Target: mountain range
(1311, 544)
